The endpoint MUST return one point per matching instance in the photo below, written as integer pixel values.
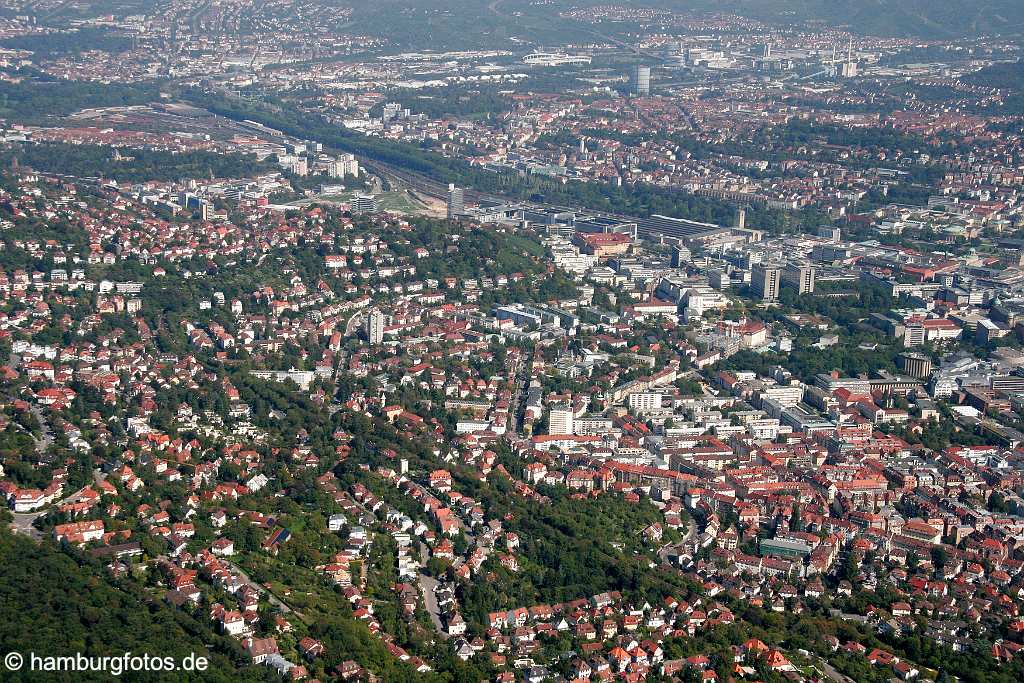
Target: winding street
(271, 598)
(831, 672)
(42, 444)
(352, 326)
(691, 531)
(23, 521)
(428, 585)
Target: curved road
(428, 586)
(23, 521)
(271, 598)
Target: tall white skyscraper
(456, 202)
(642, 81)
(561, 419)
(344, 165)
(375, 327)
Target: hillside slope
(53, 604)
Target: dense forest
(134, 165)
(62, 604)
(1005, 76)
(71, 42)
(450, 101)
(35, 101)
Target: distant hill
(466, 24)
(506, 24)
(894, 18)
(1008, 76)
(934, 19)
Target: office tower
(764, 281)
(351, 164)
(849, 67)
(364, 203)
(294, 164)
(752, 257)
(800, 276)
(456, 204)
(561, 419)
(344, 165)
(643, 402)
(680, 256)
(375, 327)
(830, 232)
(914, 334)
(642, 81)
(914, 364)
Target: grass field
(396, 200)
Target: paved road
(43, 444)
(271, 598)
(428, 585)
(522, 390)
(831, 672)
(860, 619)
(353, 324)
(23, 521)
(691, 531)
(351, 328)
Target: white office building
(375, 327)
(561, 419)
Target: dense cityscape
(512, 341)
